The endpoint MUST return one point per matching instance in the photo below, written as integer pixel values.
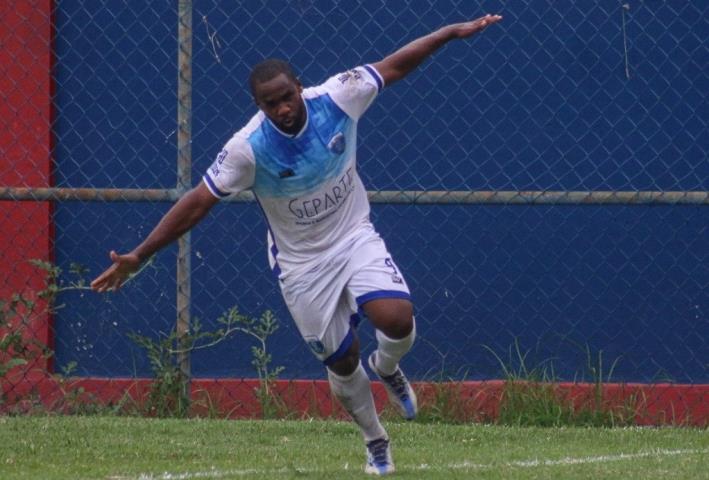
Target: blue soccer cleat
(379, 460)
(399, 389)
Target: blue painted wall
(541, 102)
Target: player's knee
(344, 366)
(400, 327)
(393, 317)
(348, 363)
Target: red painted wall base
(648, 404)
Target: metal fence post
(184, 181)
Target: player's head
(276, 91)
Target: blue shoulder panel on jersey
(292, 166)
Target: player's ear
(255, 97)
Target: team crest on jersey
(337, 144)
(287, 173)
(315, 345)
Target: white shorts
(326, 301)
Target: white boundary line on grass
(563, 461)
(214, 473)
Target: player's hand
(468, 29)
(116, 275)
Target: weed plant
(532, 397)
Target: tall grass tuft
(532, 395)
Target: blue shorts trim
(362, 299)
(346, 343)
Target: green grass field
(127, 448)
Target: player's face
(279, 98)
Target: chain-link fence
(544, 187)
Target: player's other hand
(467, 29)
(116, 275)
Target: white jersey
(307, 184)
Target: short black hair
(269, 69)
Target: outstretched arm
(397, 65)
(184, 215)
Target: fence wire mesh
(544, 187)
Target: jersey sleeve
(233, 170)
(354, 90)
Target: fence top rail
(420, 197)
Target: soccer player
(298, 156)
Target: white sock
(355, 394)
(390, 351)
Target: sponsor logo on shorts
(394, 276)
(315, 345)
